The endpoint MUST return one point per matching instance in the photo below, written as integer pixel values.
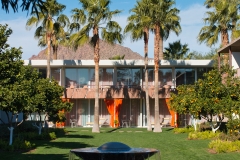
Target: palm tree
(95, 15)
(138, 26)
(117, 57)
(26, 5)
(231, 8)
(50, 29)
(165, 19)
(176, 51)
(218, 22)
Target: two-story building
(121, 87)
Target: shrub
(52, 135)
(183, 130)
(229, 137)
(202, 135)
(58, 131)
(221, 146)
(17, 145)
(36, 136)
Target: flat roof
(235, 47)
(119, 63)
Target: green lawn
(172, 146)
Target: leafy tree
(138, 27)
(176, 51)
(46, 100)
(217, 94)
(95, 15)
(21, 88)
(14, 81)
(50, 30)
(212, 54)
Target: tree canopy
(22, 90)
(25, 5)
(216, 95)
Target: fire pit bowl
(114, 151)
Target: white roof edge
(107, 63)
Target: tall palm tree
(231, 8)
(176, 51)
(95, 15)
(49, 29)
(26, 5)
(218, 22)
(139, 26)
(165, 19)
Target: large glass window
(43, 72)
(106, 76)
(71, 77)
(201, 71)
(86, 77)
(55, 74)
(165, 76)
(77, 77)
(82, 77)
(128, 76)
(185, 76)
(190, 76)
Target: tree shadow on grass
(113, 130)
(169, 129)
(78, 136)
(39, 156)
(53, 145)
(68, 145)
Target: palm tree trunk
(55, 52)
(95, 128)
(48, 54)
(233, 30)
(55, 47)
(225, 41)
(224, 37)
(160, 48)
(157, 127)
(146, 37)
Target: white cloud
(22, 37)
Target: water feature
(114, 151)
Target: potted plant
(115, 123)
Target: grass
(172, 146)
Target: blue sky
(191, 12)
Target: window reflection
(201, 71)
(127, 76)
(165, 76)
(106, 76)
(55, 74)
(81, 77)
(43, 72)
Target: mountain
(85, 52)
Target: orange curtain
(172, 114)
(113, 106)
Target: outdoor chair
(166, 122)
(125, 121)
(73, 123)
(103, 122)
